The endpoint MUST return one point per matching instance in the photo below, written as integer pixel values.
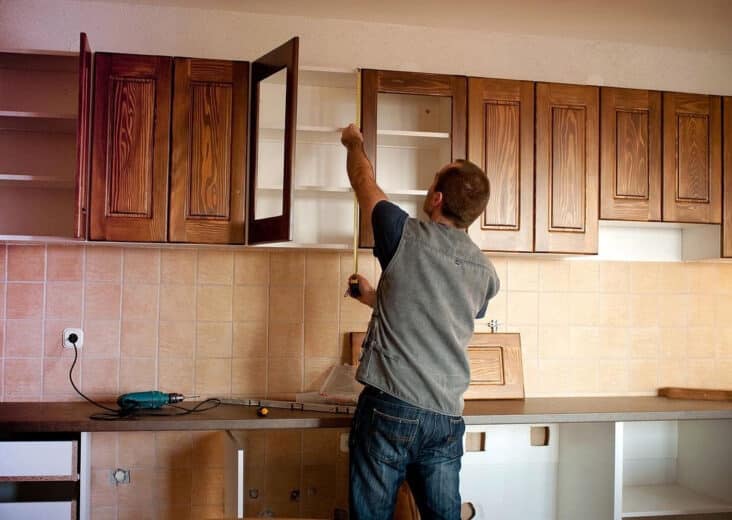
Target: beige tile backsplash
(271, 323)
(201, 309)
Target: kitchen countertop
(74, 417)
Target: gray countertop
(75, 417)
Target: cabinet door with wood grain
(692, 158)
(501, 142)
(567, 141)
(130, 148)
(727, 219)
(208, 169)
(630, 154)
(413, 124)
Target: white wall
(122, 27)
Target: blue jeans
(391, 441)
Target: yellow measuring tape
(356, 220)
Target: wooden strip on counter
(702, 394)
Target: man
(435, 282)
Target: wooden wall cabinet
(412, 124)
(692, 158)
(129, 198)
(630, 154)
(727, 217)
(567, 141)
(44, 141)
(140, 121)
(501, 142)
(210, 105)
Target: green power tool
(151, 399)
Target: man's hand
(368, 294)
(351, 136)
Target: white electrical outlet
(79, 334)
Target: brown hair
(465, 191)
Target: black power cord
(115, 414)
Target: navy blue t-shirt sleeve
(387, 220)
(493, 287)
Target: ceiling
(693, 24)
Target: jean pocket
(390, 436)
(453, 446)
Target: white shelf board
(341, 189)
(407, 139)
(50, 61)
(36, 181)
(37, 115)
(38, 121)
(414, 133)
(668, 499)
(327, 77)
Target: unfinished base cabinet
(539, 472)
(673, 468)
(45, 476)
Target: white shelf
(37, 115)
(668, 499)
(327, 77)
(341, 189)
(38, 121)
(36, 181)
(414, 133)
(412, 139)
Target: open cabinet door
(272, 144)
(83, 129)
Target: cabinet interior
(38, 123)
(675, 468)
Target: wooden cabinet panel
(501, 141)
(566, 168)
(727, 222)
(692, 158)
(210, 106)
(630, 154)
(130, 148)
(375, 82)
(83, 139)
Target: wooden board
(702, 394)
(495, 365)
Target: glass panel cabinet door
(272, 144)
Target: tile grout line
(83, 307)
(121, 281)
(195, 321)
(3, 330)
(156, 377)
(43, 320)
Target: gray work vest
(426, 303)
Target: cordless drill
(151, 399)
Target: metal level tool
(293, 405)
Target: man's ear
(437, 199)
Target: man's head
(459, 192)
